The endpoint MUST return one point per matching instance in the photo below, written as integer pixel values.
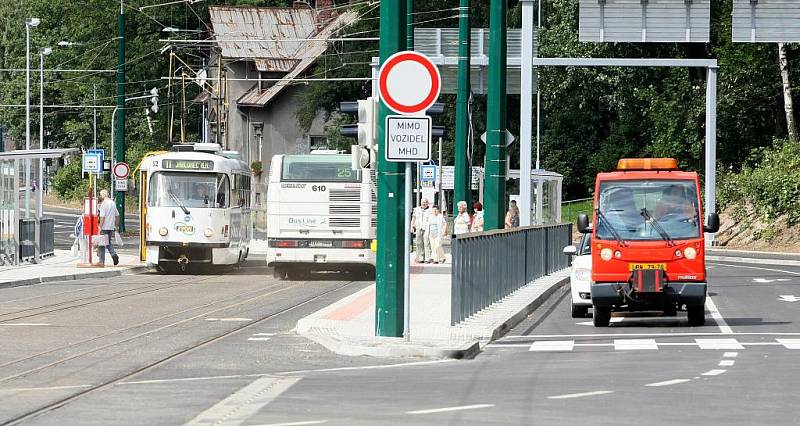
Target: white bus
(195, 208)
(321, 215)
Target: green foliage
(769, 184)
(70, 185)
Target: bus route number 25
(321, 188)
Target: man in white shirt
(108, 224)
(419, 223)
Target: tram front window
(189, 190)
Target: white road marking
(677, 344)
(446, 409)
(259, 339)
(731, 354)
(555, 336)
(764, 261)
(229, 319)
(24, 324)
(579, 395)
(790, 343)
(44, 389)
(766, 281)
(612, 321)
(368, 367)
(509, 345)
(264, 334)
(309, 422)
(788, 298)
(715, 372)
(552, 345)
(779, 262)
(718, 343)
(668, 382)
(727, 363)
(243, 404)
(635, 344)
(712, 308)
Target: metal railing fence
(488, 266)
(27, 236)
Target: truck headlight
(690, 253)
(606, 254)
(163, 231)
(208, 233)
(583, 274)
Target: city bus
(321, 215)
(195, 205)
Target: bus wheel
(697, 315)
(601, 316)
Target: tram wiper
(178, 201)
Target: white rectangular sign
(121, 185)
(408, 139)
(92, 163)
(448, 177)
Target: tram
(195, 208)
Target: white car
(580, 278)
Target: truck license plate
(635, 266)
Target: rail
(488, 266)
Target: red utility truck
(648, 245)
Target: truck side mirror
(583, 224)
(712, 223)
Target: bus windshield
(188, 190)
(642, 210)
(318, 168)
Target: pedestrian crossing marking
(646, 344)
(552, 345)
(718, 344)
(635, 344)
(790, 343)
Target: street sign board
(92, 163)
(409, 83)
(509, 138)
(121, 185)
(408, 138)
(98, 151)
(449, 177)
(121, 170)
(428, 173)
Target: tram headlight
(690, 253)
(208, 233)
(606, 254)
(163, 231)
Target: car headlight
(606, 254)
(209, 233)
(583, 274)
(163, 231)
(690, 253)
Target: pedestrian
(419, 222)
(436, 229)
(477, 218)
(108, 225)
(512, 216)
(462, 219)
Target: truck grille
(344, 195)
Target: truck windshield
(643, 210)
(188, 190)
(319, 168)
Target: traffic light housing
(154, 100)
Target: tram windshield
(189, 190)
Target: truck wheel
(579, 311)
(697, 315)
(278, 272)
(601, 317)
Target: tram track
(61, 402)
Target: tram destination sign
(171, 164)
(408, 138)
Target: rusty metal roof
(276, 30)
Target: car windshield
(641, 210)
(319, 168)
(188, 190)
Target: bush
(769, 184)
(70, 185)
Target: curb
(74, 277)
(520, 316)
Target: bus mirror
(583, 224)
(712, 223)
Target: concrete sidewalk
(64, 267)
(347, 327)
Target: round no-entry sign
(121, 170)
(409, 82)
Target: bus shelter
(24, 236)
(546, 192)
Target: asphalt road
(220, 350)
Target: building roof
(277, 34)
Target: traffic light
(154, 100)
(367, 122)
(365, 131)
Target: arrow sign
(788, 298)
(509, 138)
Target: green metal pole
(409, 24)
(496, 118)
(391, 195)
(120, 133)
(462, 166)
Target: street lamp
(29, 23)
(42, 53)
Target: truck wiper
(180, 204)
(613, 231)
(657, 226)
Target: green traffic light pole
(496, 118)
(462, 166)
(120, 124)
(390, 260)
